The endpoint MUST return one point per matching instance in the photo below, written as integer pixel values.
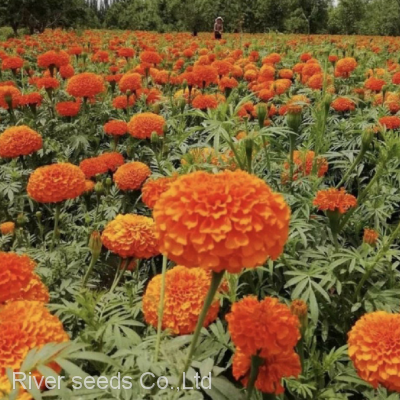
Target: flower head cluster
(229, 220)
(101, 164)
(131, 176)
(55, 183)
(141, 126)
(268, 329)
(116, 128)
(334, 200)
(86, 84)
(25, 325)
(185, 292)
(19, 141)
(374, 348)
(131, 235)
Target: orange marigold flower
(296, 104)
(68, 108)
(121, 102)
(333, 199)
(89, 186)
(101, 164)
(154, 188)
(205, 75)
(36, 290)
(263, 325)
(391, 122)
(396, 78)
(299, 308)
(343, 104)
(67, 71)
(16, 271)
(130, 81)
(305, 57)
(55, 183)
(223, 67)
(273, 58)
(116, 128)
(374, 347)
(25, 325)
(7, 228)
(53, 59)
(6, 389)
(346, 66)
(150, 57)
(185, 292)
(131, 176)
(9, 95)
(274, 367)
(286, 74)
(205, 101)
(126, 52)
(131, 235)
(47, 83)
(374, 84)
(12, 63)
(19, 141)
(229, 220)
(31, 99)
(370, 236)
(86, 85)
(141, 126)
(227, 83)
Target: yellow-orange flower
(101, 164)
(116, 128)
(303, 163)
(19, 141)
(16, 272)
(274, 367)
(265, 325)
(334, 199)
(343, 104)
(7, 228)
(86, 85)
(205, 101)
(131, 176)
(56, 182)
(370, 236)
(130, 81)
(225, 221)
(6, 389)
(141, 126)
(131, 235)
(154, 188)
(25, 325)
(374, 348)
(9, 95)
(185, 292)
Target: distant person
(218, 28)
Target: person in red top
(218, 28)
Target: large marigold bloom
(343, 104)
(229, 220)
(19, 141)
(141, 126)
(86, 85)
(131, 176)
(101, 164)
(205, 75)
(9, 95)
(16, 271)
(150, 57)
(334, 200)
(268, 324)
(205, 101)
(374, 348)
(131, 235)
(346, 66)
(55, 183)
(130, 81)
(53, 59)
(31, 99)
(116, 128)
(154, 188)
(374, 84)
(185, 292)
(12, 63)
(25, 325)
(391, 122)
(68, 108)
(274, 367)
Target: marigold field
(173, 204)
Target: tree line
(366, 17)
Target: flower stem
(119, 274)
(90, 269)
(56, 233)
(292, 142)
(256, 362)
(161, 308)
(351, 169)
(215, 282)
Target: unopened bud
(21, 220)
(300, 309)
(154, 138)
(99, 188)
(366, 138)
(95, 244)
(294, 120)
